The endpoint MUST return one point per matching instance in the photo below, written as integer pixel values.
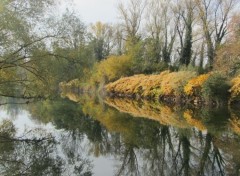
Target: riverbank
(183, 87)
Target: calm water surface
(81, 135)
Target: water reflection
(166, 141)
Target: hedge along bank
(182, 86)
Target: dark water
(82, 135)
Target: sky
(92, 11)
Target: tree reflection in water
(190, 142)
(31, 155)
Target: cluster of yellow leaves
(165, 83)
(235, 89)
(235, 124)
(194, 85)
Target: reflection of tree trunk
(130, 160)
(205, 153)
(186, 154)
(164, 131)
(217, 157)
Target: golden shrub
(111, 69)
(165, 83)
(194, 86)
(143, 85)
(173, 83)
(235, 124)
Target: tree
(132, 18)
(214, 16)
(161, 29)
(102, 39)
(185, 15)
(19, 40)
(227, 58)
(37, 51)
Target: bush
(111, 69)
(216, 87)
(152, 86)
(194, 86)
(173, 83)
(235, 89)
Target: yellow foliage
(235, 124)
(111, 69)
(165, 83)
(71, 96)
(194, 86)
(235, 89)
(174, 82)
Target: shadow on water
(140, 137)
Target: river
(84, 135)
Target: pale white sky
(92, 11)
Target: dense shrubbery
(173, 83)
(152, 86)
(111, 69)
(208, 87)
(194, 86)
(216, 87)
(235, 89)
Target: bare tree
(185, 15)
(162, 28)
(214, 16)
(131, 15)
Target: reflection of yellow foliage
(108, 117)
(71, 96)
(235, 89)
(195, 84)
(188, 115)
(235, 124)
(164, 114)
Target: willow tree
(20, 39)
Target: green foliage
(216, 87)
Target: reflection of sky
(22, 121)
(103, 166)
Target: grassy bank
(178, 87)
